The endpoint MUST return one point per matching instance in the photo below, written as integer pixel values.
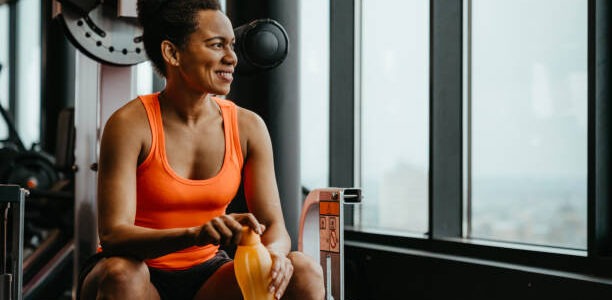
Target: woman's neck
(187, 107)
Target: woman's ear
(170, 53)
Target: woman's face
(207, 61)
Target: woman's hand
(226, 229)
(281, 273)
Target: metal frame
(342, 93)
(13, 197)
(86, 118)
(445, 156)
(100, 90)
(600, 136)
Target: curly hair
(172, 20)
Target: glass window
(314, 93)
(528, 106)
(144, 78)
(394, 133)
(4, 61)
(28, 71)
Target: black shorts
(179, 285)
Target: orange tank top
(167, 200)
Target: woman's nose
(230, 57)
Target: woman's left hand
(282, 270)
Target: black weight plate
(33, 170)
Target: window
(518, 130)
(4, 61)
(394, 114)
(527, 145)
(27, 116)
(314, 93)
(20, 79)
(144, 78)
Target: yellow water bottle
(252, 265)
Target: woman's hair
(172, 20)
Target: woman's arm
(263, 200)
(261, 191)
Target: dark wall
(57, 75)
(376, 274)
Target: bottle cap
(249, 237)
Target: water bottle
(252, 265)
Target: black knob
(261, 45)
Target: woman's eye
(217, 45)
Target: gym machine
(12, 202)
(322, 233)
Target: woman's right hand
(226, 229)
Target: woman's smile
(226, 75)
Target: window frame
(446, 187)
(10, 70)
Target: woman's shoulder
(130, 109)
(249, 119)
(129, 115)
(253, 132)
(246, 117)
(126, 132)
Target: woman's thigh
(221, 285)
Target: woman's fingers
(249, 219)
(281, 273)
(235, 230)
(208, 235)
(226, 229)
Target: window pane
(28, 71)
(144, 78)
(529, 121)
(395, 115)
(4, 61)
(314, 93)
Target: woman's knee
(303, 263)
(115, 275)
(123, 271)
(307, 276)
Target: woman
(171, 162)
